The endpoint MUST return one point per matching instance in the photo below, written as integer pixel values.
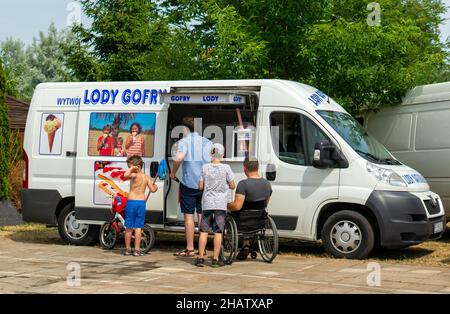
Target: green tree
(366, 67)
(238, 50)
(176, 58)
(13, 54)
(248, 38)
(117, 44)
(42, 61)
(5, 188)
(326, 43)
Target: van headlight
(385, 175)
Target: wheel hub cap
(345, 236)
(74, 229)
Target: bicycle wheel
(108, 237)
(147, 238)
(268, 242)
(230, 240)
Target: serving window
(234, 126)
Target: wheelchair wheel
(268, 242)
(229, 241)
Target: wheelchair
(257, 227)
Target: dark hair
(138, 126)
(107, 127)
(50, 117)
(189, 123)
(251, 164)
(135, 160)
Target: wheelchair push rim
(230, 239)
(268, 241)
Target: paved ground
(44, 268)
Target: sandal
(138, 253)
(242, 255)
(127, 253)
(185, 253)
(217, 263)
(199, 262)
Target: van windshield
(355, 135)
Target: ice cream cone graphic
(51, 125)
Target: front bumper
(405, 218)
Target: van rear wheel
(348, 234)
(72, 232)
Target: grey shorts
(213, 221)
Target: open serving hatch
(224, 116)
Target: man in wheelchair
(249, 206)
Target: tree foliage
(5, 188)
(325, 43)
(42, 61)
(117, 44)
(328, 44)
(366, 67)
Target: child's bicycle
(109, 232)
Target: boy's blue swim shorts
(135, 214)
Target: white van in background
(417, 132)
(330, 180)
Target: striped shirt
(135, 147)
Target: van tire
(73, 233)
(348, 234)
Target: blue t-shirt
(197, 153)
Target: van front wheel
(72, 232)
(348, 234)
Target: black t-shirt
(256, 192)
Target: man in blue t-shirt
(192, 153)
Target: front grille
(432, 210)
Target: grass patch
(15, 178)
(429, 253)
(31, 233)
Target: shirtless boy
(135, 208)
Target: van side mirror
(326, 155)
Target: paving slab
(43, 268)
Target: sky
(23, 19)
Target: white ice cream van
(330, 179)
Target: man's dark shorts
(213, 221)
(190, 199)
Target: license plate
(438, 227)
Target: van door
(287, 142)
(105, 141)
